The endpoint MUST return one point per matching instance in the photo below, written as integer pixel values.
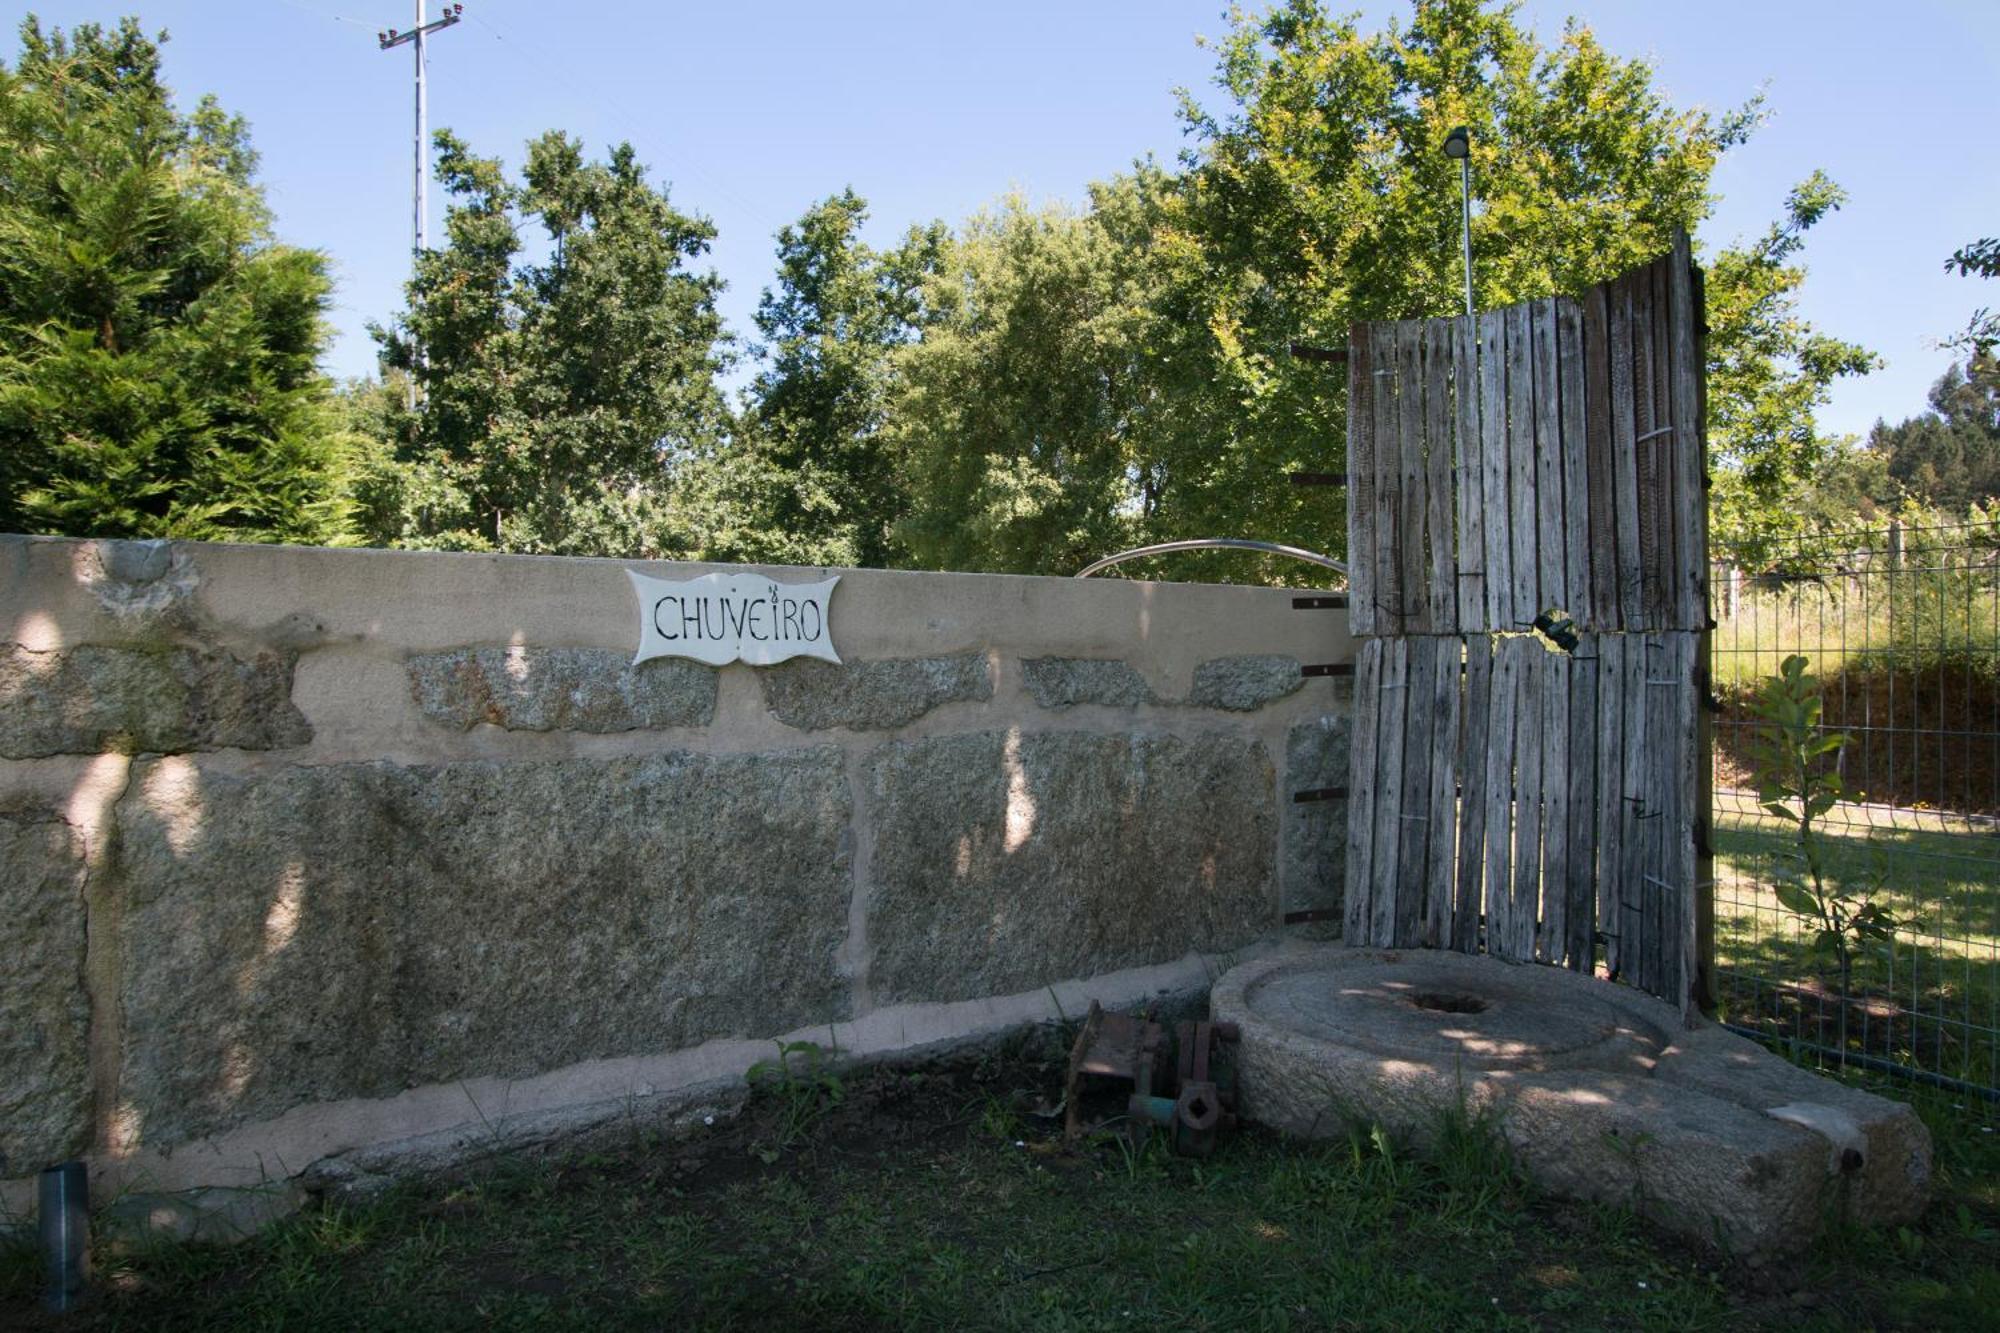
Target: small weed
(998, 1120)
(804, 1088)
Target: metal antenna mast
(415, 37)
(420, 160)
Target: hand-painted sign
(721, 618)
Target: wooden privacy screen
(1508, 795)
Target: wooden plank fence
(1508, 795)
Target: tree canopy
(1067, 382)
(555, 397)
(158, 349)
(1024, 391)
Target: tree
(1768, 372)
(1949, 457)
(1123, 374)
(1981, 259)
(1328, 190)
(1015, 413)
(558, 401)
(157, 348)
(816, 411)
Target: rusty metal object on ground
(1193, 1100)
(1115, 1047)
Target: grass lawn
(935, 1199)
(1932, 1002)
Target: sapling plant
(805, 1087)
(1799, 785)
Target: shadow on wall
(290, 933)
(312, 933)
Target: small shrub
(1795, 783)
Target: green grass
(943, 1203)
(1934, 1001)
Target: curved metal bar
(1211, 544)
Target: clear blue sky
(753, 110)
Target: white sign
(721, 618)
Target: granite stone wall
(306, 854)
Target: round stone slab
(1600, 1092)
(1451, 1007)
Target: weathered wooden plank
(1496, 489)
(1361, 535)
(1645, 420)
(1413, 567)
(1625, 455)
(1704, 753)
(1603, 518)
(1388, 484)
(1551, 935)
(1406, 923)
(1362, 764)
(1690, 441)
(1471, 499)
(1685, 864)
(1575, 461)
(1390, 749)
(1551, 543)
(1522, 481)
(1473, 739)
(1638, 820)
(1663, 809)
(1440, 533)
(1666, 437)
(1527, 890)
(1442, 807)
(1610, 797)
(1503, 711)
(1580, 889)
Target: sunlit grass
(1933, 1000)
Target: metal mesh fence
(1901, 625)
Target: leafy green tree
(157, 348)
(816, 411)
(558, 401)
(1768, 372)
(1084, 381)
(1014, 414)
(1981, 259)
(1949, 457)
(1327, 188)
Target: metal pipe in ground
(63, 1221)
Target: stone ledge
(169, 700)
(306, 934)
(876, 695)
(1064, 682)
(560, 689)
(1245, 684)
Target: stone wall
(310, 857)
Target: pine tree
(158, 348)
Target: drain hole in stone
(1448, 1004)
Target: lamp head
(1458, 143)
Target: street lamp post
(1458, 144)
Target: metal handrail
(1211, 544)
